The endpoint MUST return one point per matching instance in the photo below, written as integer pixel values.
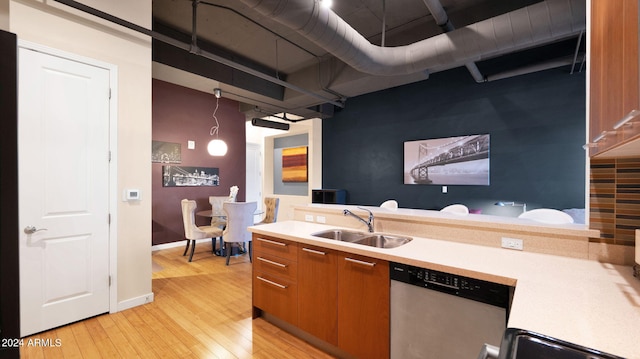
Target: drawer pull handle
(272, 242)
(272, 283)
(272, 262)
(314, 251)
(369, 264)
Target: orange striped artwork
(294, 164)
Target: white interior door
(63, 154)
(254, 176)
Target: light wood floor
(201, 309)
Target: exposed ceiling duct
(541, 23)
(326, 60)
(442, 19)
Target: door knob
(32, 229)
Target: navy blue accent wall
(536, 123)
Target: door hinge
(109, 218)
(109, 281)
(109, 93)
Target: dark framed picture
(166, 152)
(182, 176)
(462, 160)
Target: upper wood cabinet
(614, 89)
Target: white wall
(313, 128)
(4, 15)
(57, 26)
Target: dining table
(210, 213)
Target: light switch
(444, 189)
(191, 145)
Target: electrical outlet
(308, 217)
(444, 189)
(512, 243)
(321, 219)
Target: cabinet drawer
(277, 266)
(275, 246)
(276, 296)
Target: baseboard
(134, 302)
(157, 247)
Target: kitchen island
(567, 297)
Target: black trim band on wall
(9, 278)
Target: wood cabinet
(614, 89)
(339, 298)
(275, 277)
(318, 292)
(363, 306)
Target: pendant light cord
(214, 129)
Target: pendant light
(216, 147)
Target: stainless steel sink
(341, 235)
(384, 241)
(368, 239)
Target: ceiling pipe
(384, 23)
(547, 65)
(575, 54)
(193, 49)
(541, 23)
(342, 98)
(442, 19)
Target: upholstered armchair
(193, 232)
(271, 210)
(239, 217)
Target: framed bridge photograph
(181, 176)
(462, 160)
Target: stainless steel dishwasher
(441, 315)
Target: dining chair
(460, 209)
(216, 209)
(389, 204)
(192, 232)
(218, 217)
(239, 217)
(271, 210)
(547, 215)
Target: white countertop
(585, 302)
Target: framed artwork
(462, 160)
(294, 164)
(181, 176)
(165, 152)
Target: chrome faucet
(369, 223)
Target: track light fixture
(270, 124)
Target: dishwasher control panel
(470, 288)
